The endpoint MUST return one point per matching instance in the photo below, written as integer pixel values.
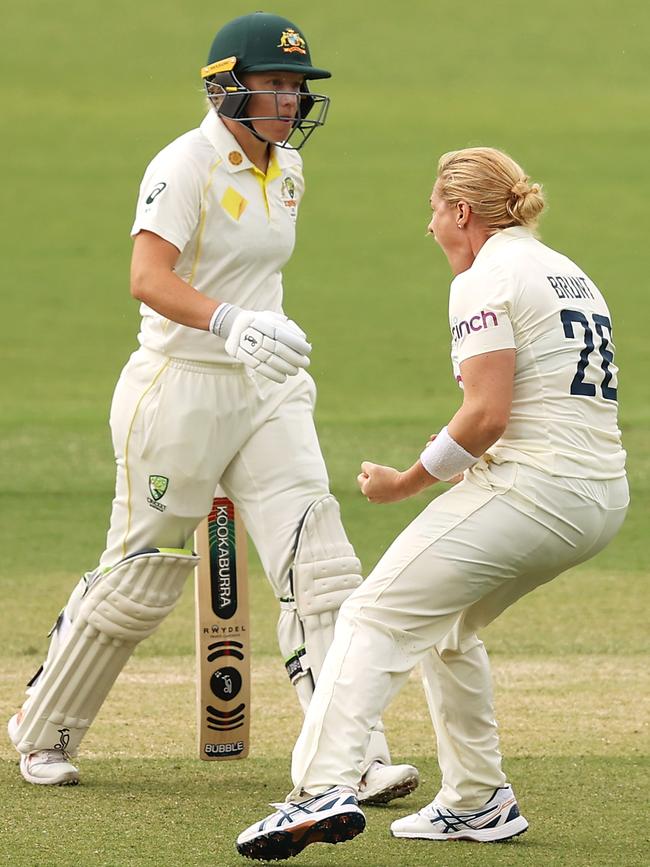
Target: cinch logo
(484, 319)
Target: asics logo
(157, 190)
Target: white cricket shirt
(519, 294)
(233, 225)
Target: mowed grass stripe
(555, 706)
(185, 813)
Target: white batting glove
(268, 342)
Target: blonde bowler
(543, 488)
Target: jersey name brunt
(570, 287)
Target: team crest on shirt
(288, 193)
(291, 41)
(158, 488)
(288, 189)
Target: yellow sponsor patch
(233, 203)
(224, 65)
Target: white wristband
(222, 319)
(444, 458)
(217, 316)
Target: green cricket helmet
(261, 42)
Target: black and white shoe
(332, 817)
(498, 819)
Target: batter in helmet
(256, 76)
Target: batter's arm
(154, 282)
(268, 342)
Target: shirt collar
(500, 238)
(233, 157)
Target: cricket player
(217, 394)
(543, 488)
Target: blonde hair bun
(526, 202)
(496, 188)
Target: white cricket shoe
(332, 817)
(49, 768)
(382, 783)
(45, 767)
(499, 819)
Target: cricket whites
(222, 635)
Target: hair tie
(520, 188)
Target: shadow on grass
(129, 813)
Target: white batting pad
(326, 569)
(325, 572)
(122, 606)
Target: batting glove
(268, 342)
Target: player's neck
(461, 256)
(257, 151)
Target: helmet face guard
(230, 98)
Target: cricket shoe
(383, 783)
(499, 819)
(45, 767)
(332, 817)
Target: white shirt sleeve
(480, 313)
(169, 203)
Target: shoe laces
(287, 807)
(435, 810)
(50, 757)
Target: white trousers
(475, 550)
(202, 425)
(180, 429)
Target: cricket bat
(222, 635)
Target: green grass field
(90, 92)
